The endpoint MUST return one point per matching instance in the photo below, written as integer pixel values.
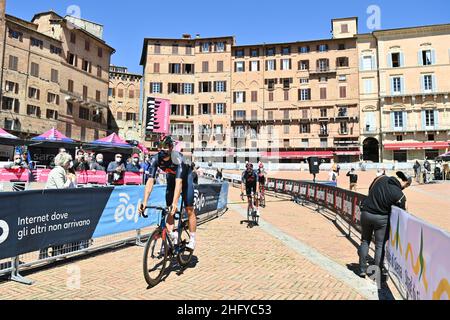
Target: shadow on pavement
(384, 292)
(250, 224)
(62, 261)
(177, 268)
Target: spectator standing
(332, 176)
(59, 177)
(219, 175)
(116, 169)
(384, 193)
(134, 166)
(417, 171)
(90, 159)
(80, 163)
(60, 150)
(146, 167)
(18, 163)
(98, 165)
(427, 167)
(338, 169)
(353, 179)
(334, 167)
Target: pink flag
(158, 116)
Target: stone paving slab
(233, 262)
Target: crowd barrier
(416, 253)
(83, 177)
(274, 166)
(41, 227)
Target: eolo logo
(4, 231)
(199, 200)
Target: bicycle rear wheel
(184, 256)
(155, 258)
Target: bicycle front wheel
(155, 258)
(184, 256)
(255, 218)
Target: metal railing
(12, 267)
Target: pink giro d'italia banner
(158, 116)
(418, 257)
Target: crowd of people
(424, 173)
(64, 168)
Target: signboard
(34, 220)
(158, 116)
(417, 255)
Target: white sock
(192, 236)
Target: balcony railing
(322, 71)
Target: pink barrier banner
(132, 178)
(7, 175)
(86, 177)
(41, 175)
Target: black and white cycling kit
(250, 179)
(175, 168)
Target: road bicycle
(252, 214)
(160, 249)
(262, 197)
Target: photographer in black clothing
(384, 193)
(80, 163)
(353, 179)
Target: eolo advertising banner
(418, 256)
(34, 220)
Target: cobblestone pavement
(304, 258)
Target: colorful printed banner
(158, 116)
(418, 256)
(9, 175)
(34, 220)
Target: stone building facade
(54, 74)
(124, 103)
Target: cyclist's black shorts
(250, 188)
(187, 193)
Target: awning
(348, 153)
(417, 146)
(297, 154)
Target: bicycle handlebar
(163, 209)
(156, 208)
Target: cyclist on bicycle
(251, 184)
(179, 183)
(261, 178)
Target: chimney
(197, 36)
(186, 36)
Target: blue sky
(127, 23)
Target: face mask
(100, 160)
(164, 153)
(18, 161)
(71, 165)
(135, 160)
(118, 160)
